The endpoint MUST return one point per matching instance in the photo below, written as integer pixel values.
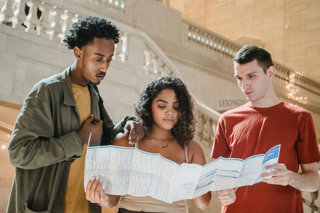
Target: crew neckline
(279, 105)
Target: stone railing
(215, 42)
(45, 18)
(37, 17)
(207, 120)
(211, 40)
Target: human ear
(270, 71)
(77, 52)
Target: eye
(99, 59)
(251, 76)
(176, 107)
(109, 60)
(161, 106)
(238, 79)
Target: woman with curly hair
(165, 111)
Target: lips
(100, 76)
(248, 93)
(168, 119)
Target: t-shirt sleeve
(307, 145)
(220, 147)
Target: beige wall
(289, 29)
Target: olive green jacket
(45, 141)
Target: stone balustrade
(154, 66)
(215, 42)
(44, 17)
(211, 40)
(38, 17)
(207, 120)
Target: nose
(245, 84)
(104, 67)
(169, 111)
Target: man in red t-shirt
(254, 128)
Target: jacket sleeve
(33, 144)
(109, 129)
(119, 127)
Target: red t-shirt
(247, 131)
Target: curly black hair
(184, 129)
(85, 29)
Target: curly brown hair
(184, 129)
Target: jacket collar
(66, 87)
(94, 101)
(68, 94)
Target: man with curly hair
(58, 117)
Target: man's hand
(307, 180)
(227, 196)
(135, 131)
(279, 176)
(93, 125)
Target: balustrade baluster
(28, 12)
(200, 129)
(162, 69)
(40, 17)
(15, 9)
(123, 48)
(122, 4)
(64, 24)
(155, 65)
(3, 6)
(52, 22)
(116, 3)
(75, 18)
(147, 60)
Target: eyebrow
(236, 76)
(100, 54)
(160, 100)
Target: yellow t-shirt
(75, 200)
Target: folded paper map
(128, 170)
